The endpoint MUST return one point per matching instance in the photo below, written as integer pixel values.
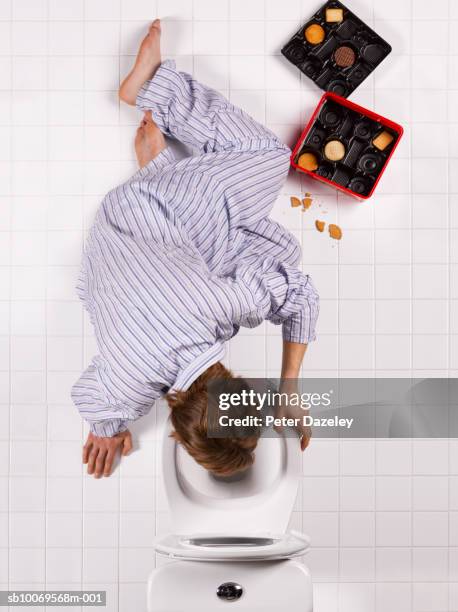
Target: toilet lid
(211, 547)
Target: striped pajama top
(183, 254)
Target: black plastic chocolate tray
(362, 161)
(342, 53)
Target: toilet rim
(222, 547)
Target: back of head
(189, 412)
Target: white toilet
(230, 543)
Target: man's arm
(293, 355)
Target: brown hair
(189, 413)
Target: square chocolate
(336, 49)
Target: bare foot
(147, 62)
(149, 140)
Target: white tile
(430, 280)
(28, 458)
(59, 139)
(393, 493)
(324, 526)
(136, 529)
(28, 422)
(356, 282)
(101, 73)
(357, 529)
(393, 352)
(430, 528)
(357, 493)
(63, 494)
(28, 9)
(64, 530)
(394, 528)
(64, 353)
(357, 457)
(393, 457)
(243, 10)
(427, 597)
(321, 458)
(324, 564)
(27, 565)
(59, 385)
(63, 565)
(66, 10)
(28, 38)
(64, 458)
(65, 108)
(292, 9)
(393, 317)
(211, 70)
(392, 246)
(430, 457)
(430, 564)
(356, 352)
(66, 73)
(64, 248)
(320, 494)
(429, 352)
(27, 317)
(430, 316)
(135, 564)
(101, 143)
(28, 248)
(137, 9)
(175, 9)
(27, 529)
(137, 494)
(101, 38)
(101, 495)
(27, 494)
(101, 107)
(100, 565)
(357, 597)
(423, 44)
(4, 493)
(357, 564)
(102, 9)
(393, 564)
(208, 10)
(421, 110)
(209, 38)
(65, 38)
(101, 530)
(396, 597)
(246, 37)
(28, 388)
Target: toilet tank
(266, 586)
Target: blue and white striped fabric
(183, 254)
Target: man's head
(189, 410)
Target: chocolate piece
(369, 162)
(353, 153)
(358, 185)
(308, 161)
(373, 53)
(334, 150)
(314, 34)
(344, 56)
(341, 177)
(338, 87)
(363, 130)
(334, 15)
(382, 140)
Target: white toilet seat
(247, 547)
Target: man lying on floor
(179, 258)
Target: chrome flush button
(229, 591)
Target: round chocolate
(344, 56)
(373, 53)
(325, 170)
(362, 130)
(358, 185)
(308, 161)
(368, 162)
(334, 150)
(330, 116)
(338, 87)
(296, 51)
(314, 34)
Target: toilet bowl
(229, 540)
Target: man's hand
(294, 412)
(99, 453)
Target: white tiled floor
(383, 515)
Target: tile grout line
(10, 317)
(412, 456)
